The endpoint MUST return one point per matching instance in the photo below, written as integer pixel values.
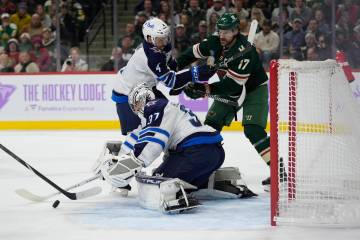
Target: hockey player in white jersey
(151, 63)
(193, 154)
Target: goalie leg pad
(164, 194)
(223, 184)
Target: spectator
(312, 55)
(350, 11)
(140, 19)
(212, 27)
(74, 63)
(42, 57)
(256, 13)
(49, 42)
(130, 30)
(115, 55)
(310, 40)
(324, 49)
(261, 4)
(244, 27)
(267, 44)
(181, 41)
(7, 30)
(44, 17)
(294, 41)
(12, 50)
(356, 47)
(201, 34)
(5, 63)
(323, 26)
(286, 24)
(165, 10)
(6, 6)
(313, 28)
(302, 12)
(343, 44)
(127, 50)
(239, 9)
(285, 7)
(195, 13)
(163, 17)
(218, 7)
(25, 44)
(21, 18)
(35, 28)
(184, 20)
(26, 64)
(148, 9)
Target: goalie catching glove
(119, 170)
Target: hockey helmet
(139, 96)
(154, 28)
(228, 21)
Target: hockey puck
(56, 203)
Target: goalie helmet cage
(315, 140)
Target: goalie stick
(70, 195)
(36, 198)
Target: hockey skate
(181, 205)
(282, 176)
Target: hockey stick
(70, 195)
(36, 198)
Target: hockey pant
(193, 164)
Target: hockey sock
(259, 139)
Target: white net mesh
(319, 141)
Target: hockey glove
(195, 90)
(119, 170)
(201, 73)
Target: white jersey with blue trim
(169, 126)
(135, 72)
(149, 65)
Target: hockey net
(315, 145)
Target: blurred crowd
(27, 29)
(28, 34)
(307, 26)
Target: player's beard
(225, 42)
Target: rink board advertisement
(65, 101)
(75, 101)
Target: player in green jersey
(243, 76)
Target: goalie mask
(139, 96)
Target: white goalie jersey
(168, 126)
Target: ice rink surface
(66, 157)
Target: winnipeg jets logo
(5, 93)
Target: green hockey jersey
(246, 70)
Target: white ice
(66, 158)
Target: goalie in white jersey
(194, 152)
(151, 63)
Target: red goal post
(315, 145)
